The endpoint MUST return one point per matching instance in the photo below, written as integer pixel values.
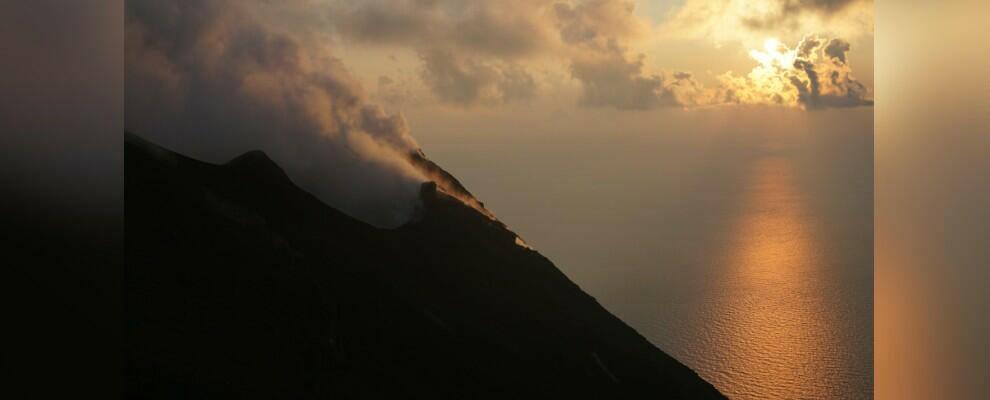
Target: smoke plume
(205, 78)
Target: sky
(607, 53)
(352, 87)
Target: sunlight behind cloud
(749, 22)
(774, 53)
(814, 74)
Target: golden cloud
(750, 21)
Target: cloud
(504, 29)
(808, 46)
(795, 77)
(207, 79)
(598, 20)
(470, 51)
(612, 79)
(840, 89)
(783, 13)
(837, 49)
(466, 81)
(596, 33)
(750, 21)
(613, 76)
(481, 53)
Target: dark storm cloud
(204, 78)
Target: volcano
(239, 284)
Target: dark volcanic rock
(240, 284)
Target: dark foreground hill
(238, 284)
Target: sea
(740, 243)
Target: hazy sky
(633, 55)
(328, 88)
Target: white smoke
(206, 79)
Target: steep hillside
(240, 284)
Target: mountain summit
(447, 182)
(240, 284)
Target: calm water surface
(742, 248)
(770, 321)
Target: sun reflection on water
(768, 330)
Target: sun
(771, 44)
(774, 54)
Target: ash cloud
(206, 79)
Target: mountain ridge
(238, 283)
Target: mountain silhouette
(239, 284)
